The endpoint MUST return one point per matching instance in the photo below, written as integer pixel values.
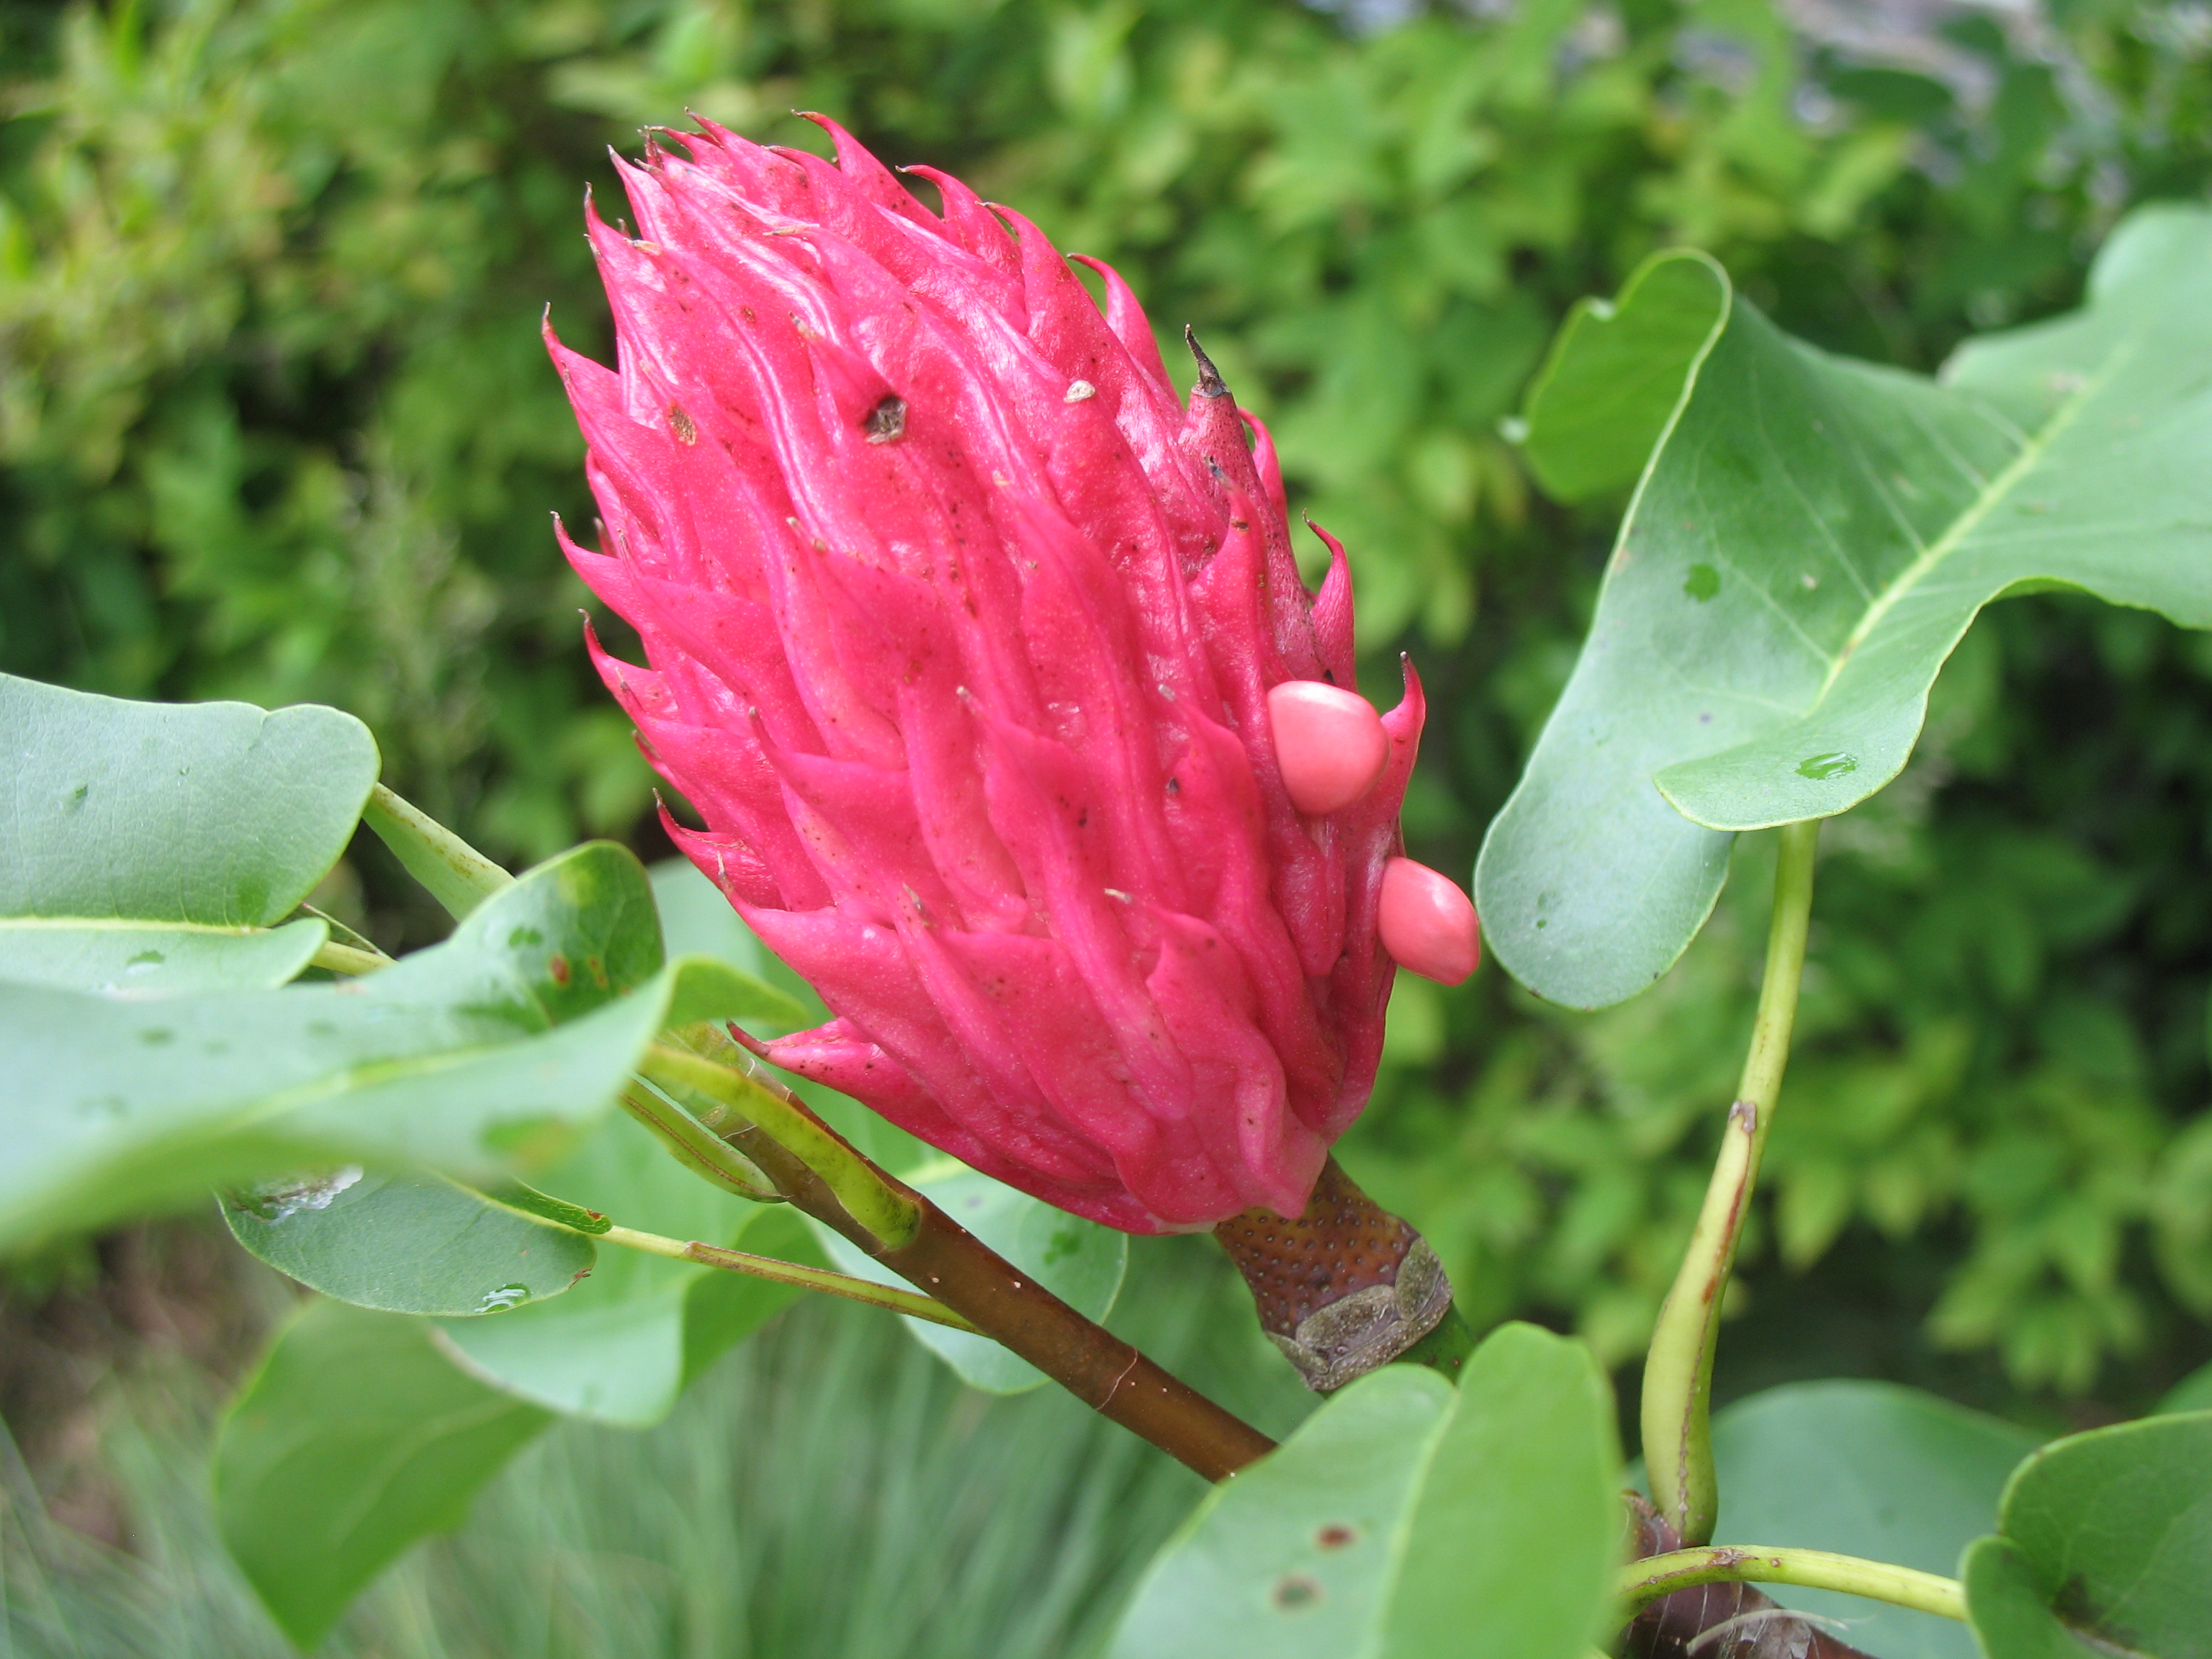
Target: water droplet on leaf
(1827, 766)
(506, 1296)
(1702, 583)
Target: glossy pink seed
(1428, 923)
(1329, 742)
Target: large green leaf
(150, 846)
(1809, 542)
(489, 1053)
(2103, 1547)
(1870, 1469)
(1078, 1261)
(406, 1243)
(1404, 1521)
(353, 1439)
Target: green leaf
(1296, 1556)
(403, 1243)
(2109, 1535)
(1870, 1469)
(619, 1347)
(1808, 545)
(2192, 1393)
(1078, 1261)
(1613, 377)
(1404, 1520)
(215, 813)
(353, 1439)
(149, 845)
(485, 1054)
(141, 960)
(2011, 1619)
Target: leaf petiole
(1678, 1376)
(909, 1303)
(1646, 1581)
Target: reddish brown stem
(1001, 1300)
(1096, 1366)
(1716, 1621)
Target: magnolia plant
(1052, 891)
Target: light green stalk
(1646, 1581)
(912, 1303)
(1678, 1377)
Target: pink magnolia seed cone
(960, 631)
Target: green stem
(1646, 1581)
(869, 1197)
(1678, 1376)
(909, 1303)
(457, 875)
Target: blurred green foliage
(274, 424)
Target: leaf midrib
(2031, 455)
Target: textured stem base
(1715, 1621)
(1342, 1289)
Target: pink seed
(1428, 923)
(1329, 742)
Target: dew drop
(505, 1297)
(144, 963)
(1832, 765)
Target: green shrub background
(274, 423)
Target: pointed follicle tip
(1209, 377)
